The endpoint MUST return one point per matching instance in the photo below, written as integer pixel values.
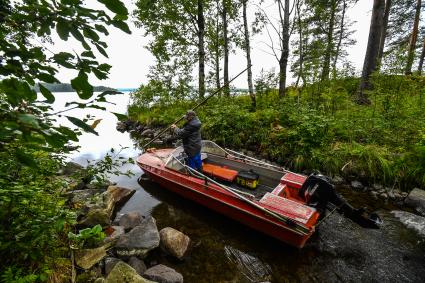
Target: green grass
(319, 127)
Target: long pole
(194, 108)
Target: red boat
(260, 195)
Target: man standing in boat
(190, 134)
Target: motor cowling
(318, 192)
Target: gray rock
(357, 185)
(411, 220)
(384, 196)
(163, 274)
(80, 197)
(86, 258)
(338, 180)
(123, 273)
(374, 194)
(137, 264)
(378, 187)
(391, 195)
(416, 200)
(117, 231)
(105, 207)
(174, 242)
(130, 220)
(148, 133)
(110, 263)
(139, 241)
(96, 216)
(71, 168)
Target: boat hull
(214, 198)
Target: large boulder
(123, 273)
(106, 205)
(174, 242)
(139, 241)
(114, 232)
(416, 200)
(163, 274)
(86, 258)
(130, 220)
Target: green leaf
(101, 29)
(48, 78)
(115, 6)
(25, 158)
(101, 50)
(81, 85)
(62, 28)
(79, 123)
(28, 119)
(47, 94)
(121, 117)
(122, 26)
(91, 34)
(88, 54)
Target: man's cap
(190, 113)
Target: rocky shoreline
(130, 239)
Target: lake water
(226, 251)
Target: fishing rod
(197, 105)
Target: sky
(130, 60)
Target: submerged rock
(411, 220)
(123, 273)
(140, 240)
(338, 180)
(163, 274)
(174, 242)
(130, 220)
(416, 200)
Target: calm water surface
(225, 251)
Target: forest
(316, 112)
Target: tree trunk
(201, 50)
(329, 44)
(370, 61)
(421, 61)
(413, 39)
(248, 55)
(226, 51)
(384, 31)
(300, 47)
(217, 50)
(283, 61)
(341, 34)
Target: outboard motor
(319, 192)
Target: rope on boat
(293, 226)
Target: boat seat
(219, 172)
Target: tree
(180, 32)
(371, 57)
(32, 141)
(226, 89)
(248, 54)
(324, 34)
(413, 39)
(387, 11)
